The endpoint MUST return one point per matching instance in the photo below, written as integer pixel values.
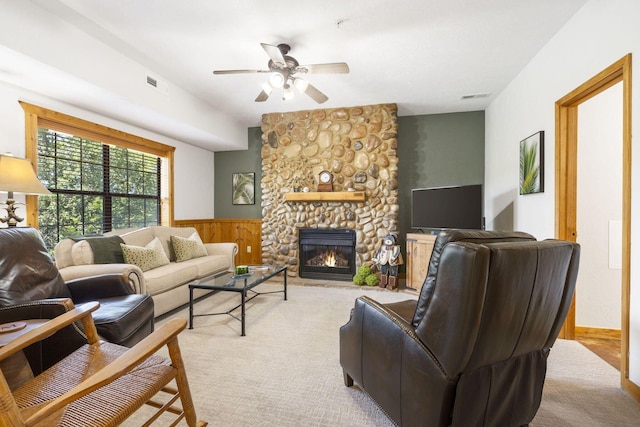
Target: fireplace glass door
(327, 254)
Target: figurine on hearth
(388, 258)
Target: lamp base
(11, 219)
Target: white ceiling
(424, 55)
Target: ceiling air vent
(476, 96)
(157, 84)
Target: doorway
(599, 221)
(566, 187)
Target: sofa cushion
(63, 255)
(121, 231)
(210, 264)
(139, 237)
(185, 249)
(148, 257)
(167, 277)
(124, 319)
(174, 274)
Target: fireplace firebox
(327, 254)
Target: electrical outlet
(248, 249)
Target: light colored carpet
(286, 371)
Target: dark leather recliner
(31, 288)
(472, 350)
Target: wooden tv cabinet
(419, 247)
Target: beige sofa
(166, 284)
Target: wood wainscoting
(603, 333)
(247, 233)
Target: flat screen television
(447, 207)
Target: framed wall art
(532, 164)
(243, 188)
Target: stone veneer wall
(359, 146)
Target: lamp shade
(17, 176)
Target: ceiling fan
(284, 70)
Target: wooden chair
(100, 384)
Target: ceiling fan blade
(315, 94)
(263, 96)
(275, 54)
(332, 68)
(239, 71)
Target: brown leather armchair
(31, 288)
(472, 350)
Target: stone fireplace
(358, 145)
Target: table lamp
(17, 175)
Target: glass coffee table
(240, 283)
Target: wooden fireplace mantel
(326, 196)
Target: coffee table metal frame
(242, 284)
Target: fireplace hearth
(327, 254)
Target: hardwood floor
(607, 349)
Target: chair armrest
(133, 272)
(48, 329)
(99, 287)
(51, 350)
(228, 249)
(381, 352)
(374, 326)
(165, 335)
(38, 309)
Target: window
(96, 187)
(101, 179)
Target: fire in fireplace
(328, 258)
(327, 254)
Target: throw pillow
(200, 249)
(186, 249)
(148, 257)
(81, 253)
(104, 250)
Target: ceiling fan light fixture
(276, 79)
(301, 84)
(288, 93)
(282, 69)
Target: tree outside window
(96, 187)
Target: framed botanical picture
(243, 188)
(532, 164)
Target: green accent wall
(433, 150)
(437, 150)
(228, 162)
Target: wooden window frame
(36, 116)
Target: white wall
(599, 287)
(598, 35)
(193, 166)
